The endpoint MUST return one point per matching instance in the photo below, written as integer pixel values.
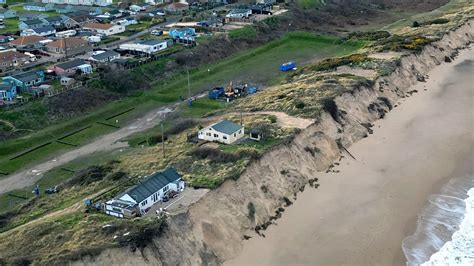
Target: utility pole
(241, 119)
(162, 139)
(189, 83)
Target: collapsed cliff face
(213, 228)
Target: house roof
(226, 127)
(11, 55)
(54, 19)
(33, 22)
(5, 86)
(177, 5)
(105, 55)
(71, 64)
(152, 184)
(99, 26)
(3, 10)
(46, 28)
(25, 40)
(70, 41)
(27, 76)
(151, 42)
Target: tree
(416, 24)
(5, 6)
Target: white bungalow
(144, 195)
(225, 132)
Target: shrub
(299, 104)
(218, 156)
(416, 24)
(330, 106)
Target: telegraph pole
(189, 83)
(162, 139)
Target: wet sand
(361, 215)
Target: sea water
(445, 229)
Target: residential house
(78, 19)
(141, 197)
(31, 16)
(104, 56)
(69, 46)
(261, 9)
(104, 29)
(72, 67)
(125, 22)
(64, 9)
(224, 131)
(24, 81)
(7, 91)
(176, 7)
(81, 2)
(91, 10)
(55, 21)
(11, 59)
(39, 7)
(65, 33)
(30, 24)
(2, 24)
(145, 47)
(239, 13)
(138, 7)
(3, 2)
(33, 41)
(7, 13)
(183, 34)
(156, 13)
(41, 31)
(66, 81)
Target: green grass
(11, 25)
(308, 4)
(256, 66)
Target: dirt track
(107, 142)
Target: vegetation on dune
(399, 43)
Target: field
(257, 66)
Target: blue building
(7, 13)
(7, 91)
(183, 34)
(24, 81)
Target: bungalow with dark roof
(69, 46)
(24, 81)
(72, 67)
(141, 197)
(30, 24)
(104, 57)
(44, 31)
(224, 131)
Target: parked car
(52, 190)
(156, 32)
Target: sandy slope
(361, 215)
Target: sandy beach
(361, 215)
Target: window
(235, 135)
(166, 188)
(144, 202)
(216, 135)
(208, 134)
(224, 137)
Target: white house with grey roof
(224, 131)
(142, 196)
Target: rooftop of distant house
(10, 55)
(99, 26)
(25, 40)
(64, 42)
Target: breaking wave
(445, 231)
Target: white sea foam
(445, 229)
(460, 250)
